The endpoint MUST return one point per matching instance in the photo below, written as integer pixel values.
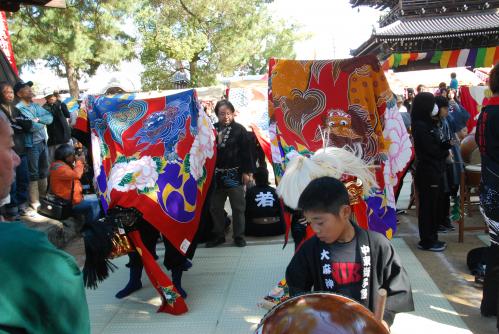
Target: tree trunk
(193, 66)
(74, 90)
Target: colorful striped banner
(405, 58)
(454, 55)
(444, 59)
(471, 58)
(463, 56)
(436, 57)
(489, 55)
(496, 57)
(391, 61)
(421, 55)
(480, 57)
(398, 58)
(477, 57)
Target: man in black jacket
(59, 131)
(21, 126)
(234, 170)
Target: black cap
(21, 84)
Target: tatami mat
(433, 314)
(224, 286)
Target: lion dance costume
(337, 118)
(155, 157)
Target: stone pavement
(224, 286)
(226, 283)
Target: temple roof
(452, 26)
(378, 4)
(435, 32)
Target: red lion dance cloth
(156, 155)
(341, 103)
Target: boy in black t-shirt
(344, 258)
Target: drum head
(320, 313)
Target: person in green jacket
(41, 287)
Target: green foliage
(187, 163)
(160, 164)
(76, 40)
(121, 159)
(126, 179)
(209, 38)
(202, 179)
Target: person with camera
(64, 182)
(58, 131)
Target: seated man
(342, 257)
(263, 210)
(65, 174)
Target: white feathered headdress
(332, 161)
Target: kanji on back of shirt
(265, 199)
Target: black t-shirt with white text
(346, 268)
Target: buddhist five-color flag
(477, 57)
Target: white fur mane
(330, 161)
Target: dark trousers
(490, 300)
(149, 235)
(431, 198)
(238, 205)
(19, 189)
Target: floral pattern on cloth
(399, 149)
(153, 154)
(140, 174)
(340, 103)
(202, 148)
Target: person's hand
(81, 158)
(386, 325)
(247, 178)
(36, 120)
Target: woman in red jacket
(65, 174)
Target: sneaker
(401, 212)
(215, 242)
(438, 246)
(442, 229)
(240, 242)
(449, 227)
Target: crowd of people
(38, 132)
(37, 154)
(437, 124)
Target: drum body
(470, 151)
(320, 313)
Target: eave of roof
(435, 26)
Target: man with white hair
(41, 286)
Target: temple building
(425, 34)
